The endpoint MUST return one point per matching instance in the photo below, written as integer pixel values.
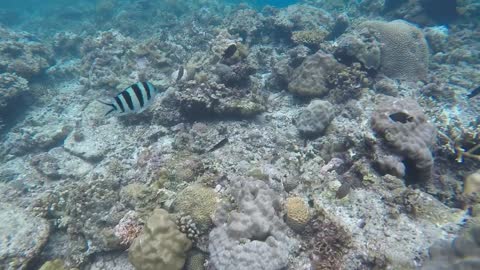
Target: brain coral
(314, 119)
(160, 246)
(297, 213)
(310, 78)
(199, 203)
(406, 129)
(404, 50)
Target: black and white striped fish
(134, 99)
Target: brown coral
(297, 213)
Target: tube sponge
(160, 246)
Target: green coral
(198, 202)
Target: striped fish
(134, 99)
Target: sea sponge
(310, 78)
(199, 203)
(314, 119)
(404, 50)
(160, 246)
(406, 129)
(297, 213)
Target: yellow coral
(297, 213)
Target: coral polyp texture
(315, 118)
(297, 213)
(405, 128)
(160, 246)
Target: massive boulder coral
(405, 128)
(253, 236)
(160, 246)
(23, 55)
(310, 78)
(403, 48)
(315, 118)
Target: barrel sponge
(160, 246)
(253, 236)
(199, 203)
(314, 119)
(406, 129)
(310, 78)
(404, 50)
(297, 213)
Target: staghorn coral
(160, 246)
(405, 128)
(253, 236)
(297, 213)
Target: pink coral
(128, 228)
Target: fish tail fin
(108, 104)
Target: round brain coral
(404, 50)
(297, 213)
(160, 246)
(198, 202)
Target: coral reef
(253, 236)
(11, 88)
(160, 245)
(26, 59)
(405, 128)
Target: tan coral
(160, 246)
(297, 213)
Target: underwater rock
(22, 236)
(211, 99)
(315, 118)
(11, 88)
(58, 164)
(310, 78)
(472, 183)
